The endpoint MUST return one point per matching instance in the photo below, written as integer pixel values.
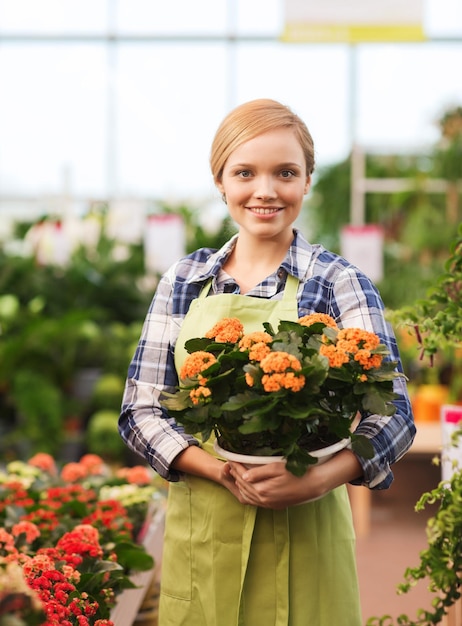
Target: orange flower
(251, 339)
(195, 363)
(280, 362)
(227, 330)
(277, 381)
(39, 563)
(367, 360)
(249, 380)
(313, 318)
(73, 472)
(362, 338)
(28, 528)
(201, 393)
(336, 357)
(136, 475)
(43, 461)
(93, 463)
(258, 351)
(344, 345)
(353, 342)
(6, 541)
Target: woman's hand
(273, 486)
(198, 462)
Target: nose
(264, 188)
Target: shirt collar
(296, 262)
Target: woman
(242, 547)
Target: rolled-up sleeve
(360, 304)
(143, 424)
(338, 288)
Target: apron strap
(205, 290)
(291, 288)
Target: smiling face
(264, 181)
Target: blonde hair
(251, 119)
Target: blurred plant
(74, 535)
(436, 319)
(19, 604)
(102, 436)
(418, 226)
(441, 561)
(449, 149)
(41, 359)
(59, 322)
(437, 323)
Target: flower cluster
(69, 539)
(17, 598)
(285, 392)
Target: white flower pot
(323, 454)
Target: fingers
(257, 473)
(268, 486)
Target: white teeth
(264, 211)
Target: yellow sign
(353, 21)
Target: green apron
(229, 564)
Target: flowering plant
(286, 392)
(69, 539)
(17, 598)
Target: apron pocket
(176, 558)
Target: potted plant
(436, 320)
(285, 393)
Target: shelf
(129, 601)
(428, 439)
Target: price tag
(451, 457)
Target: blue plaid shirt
(327, 284)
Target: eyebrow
(285, 164)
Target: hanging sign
(363, 246)
(353, 21)
(125, 219)
(164, 241)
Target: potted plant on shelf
(285, 393)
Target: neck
(252, 261)
(262, 252)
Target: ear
(219, 186)
(307, 185)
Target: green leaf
(380, 403)
(298, 461)
(175, 401)
(132, 556)
(362, 446)
(198, 343)
(255, 425)
(242, 401)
